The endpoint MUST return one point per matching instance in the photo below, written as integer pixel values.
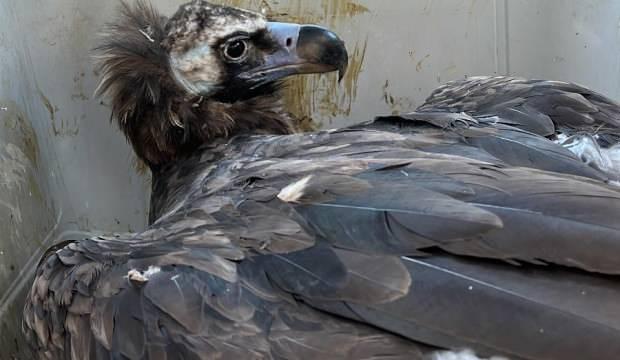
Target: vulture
(485, 222)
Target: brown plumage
(368, 242)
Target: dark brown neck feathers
(159, 118)
(162, 135)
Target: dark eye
(236, 50)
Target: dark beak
(302, 49)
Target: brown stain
(356, 63)
(387, 97)
(397, 104)
(412, 54)
(48, 105)
(335, 10)
(353, 9)
(29, 140)
(420, 63)
(307, 96)
(78, 91)
(301, 9)
(299, 101)
(60, 127)
(15, 119)
(20, 129)
(317, 96)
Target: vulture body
(454, 227)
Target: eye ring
(236, 50)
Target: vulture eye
(236, 50)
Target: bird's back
(267, 244)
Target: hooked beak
(303, 49)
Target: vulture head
(207, 72)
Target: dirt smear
(15, 120)
(60, 127)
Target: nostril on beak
(289, 42)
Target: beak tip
(344, 63)
(341, 73)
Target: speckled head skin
(203, 22)
(195, 36)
